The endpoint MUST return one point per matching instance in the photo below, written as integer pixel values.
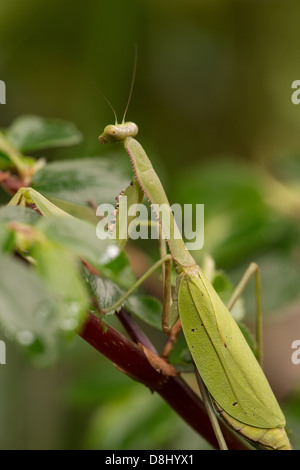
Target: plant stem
(130, 358)
(135, 333)
(12, 153)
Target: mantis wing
(31, 196)
(225, 362)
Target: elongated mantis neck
(152, 188)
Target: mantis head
(118, 132)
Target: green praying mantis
(230, 377)
(223, 359)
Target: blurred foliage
(212, 100)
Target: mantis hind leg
(252, 270)
(207, 400)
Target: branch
(130, 358)
(135, 333)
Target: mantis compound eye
(109, 135)
(118, 132)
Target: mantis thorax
(118, 132)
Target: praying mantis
(230, 377)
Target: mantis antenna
(95, 86)
(132, 83)
(102, 94)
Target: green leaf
(82, 180)
(60, 271)
(145, 307)
(80, 237)
(18, 214)
(30, 133)
(185, 356)
(105, 291)
(29, 314)
(13, 214)
(5, 162)
(7, 239)
(115, 265)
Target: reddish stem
(130, 358)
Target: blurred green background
(212, 99)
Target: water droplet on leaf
(110, 254)
(69, 324)
(25, 337)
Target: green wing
(226, 363)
